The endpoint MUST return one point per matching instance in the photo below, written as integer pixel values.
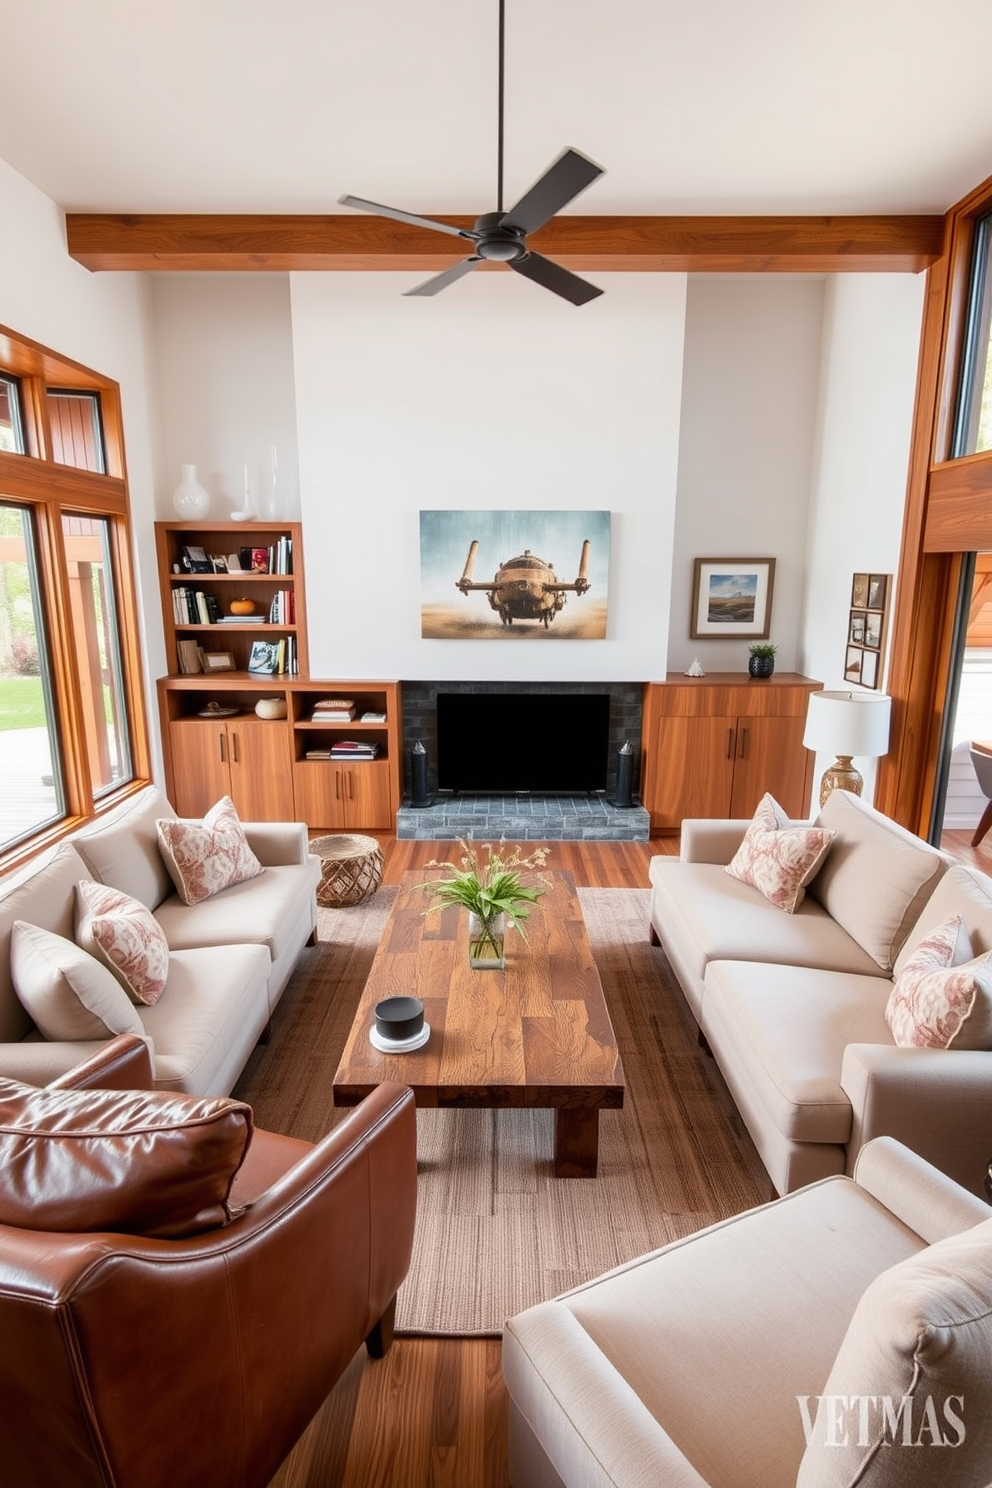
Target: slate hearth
(524, 819)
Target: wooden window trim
(53, 490)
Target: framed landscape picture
(732, 597)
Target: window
(72, 726)
(973, 428)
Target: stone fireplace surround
(524, 817)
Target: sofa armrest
(123, 1064)
(936, 1101)
(277, 843)
(925, 1199)
(710, 841)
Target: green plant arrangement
(489, 885)
(761, 662)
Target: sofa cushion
(123, 850)
(208, 1022)
(876, 878)
(69, 994)
(943, 996)
(905, 1403)
(717, 918)
(120, 931)
(786, 1029)
(963, 891)
(262, 911)
(779, 859)
(205, 857)
(136, 1161)
(43, 894)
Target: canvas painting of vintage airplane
(514, 575)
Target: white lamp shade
(848, 723)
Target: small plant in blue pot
(761, 660)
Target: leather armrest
(122, 1064)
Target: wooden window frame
(51, 490)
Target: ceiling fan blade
(552, 276)
(441, 281)
(399, 216)
(571, 173)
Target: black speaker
(418, 776)
(625, 777)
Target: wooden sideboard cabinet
(712, 746)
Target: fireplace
(617, 704)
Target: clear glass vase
(486, 941)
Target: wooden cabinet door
(261, 769)
(693, 769)
(770, 757)
(364, 795)
(200, 764)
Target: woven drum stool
(350, 869)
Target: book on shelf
(352, 749)
(318, 754)
(333, 710)
(188, 656)
(371, 715)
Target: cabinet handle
(743, 742)
(730, 743)
(351, 786)
(234, 749)
(223, 750)
(337, 785)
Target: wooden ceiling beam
(356, 241)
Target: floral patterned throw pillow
(205, 857)
(943, 996)
(777, 859)
(126, 936)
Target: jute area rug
(496, 1231)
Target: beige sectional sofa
(230, 956)
(792, 1005)
(703, 1364)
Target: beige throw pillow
(942, 996)
(205, 857)
(120, 931)
(69, 994)
(906, 1402)
(779, 859)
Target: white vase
(189, 499)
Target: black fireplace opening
(512, 743)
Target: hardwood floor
(434, 1411)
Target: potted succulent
(490, 887)
(761, 659)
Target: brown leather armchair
(128, 1362)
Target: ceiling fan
(501, 237)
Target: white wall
(493, 395)
(224, 350)
(749, 401)
(103, 321)
(867, 387)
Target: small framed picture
(259, 560)
(264, 658)
(218, 661)
(857, 633)
(732, 597)
(195, 560)
(234, 563)
(859, 591)
(219, 562)
(873, 630)
(877, 587)
(852, 666)
(869, 669)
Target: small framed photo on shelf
(219, 562)
(234, 563)
(260, 560)
(218, 661)
(732, 597)
(264, 658)
(195, 560)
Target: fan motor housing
(497, 243)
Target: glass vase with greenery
(489, 885)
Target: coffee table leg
(576, 1142)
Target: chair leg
(983, 825)
(381, 1337)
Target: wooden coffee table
(536, 1034)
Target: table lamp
(846, 724)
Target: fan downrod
(496, 243)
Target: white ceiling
(693, 106)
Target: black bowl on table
(398, 1019)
